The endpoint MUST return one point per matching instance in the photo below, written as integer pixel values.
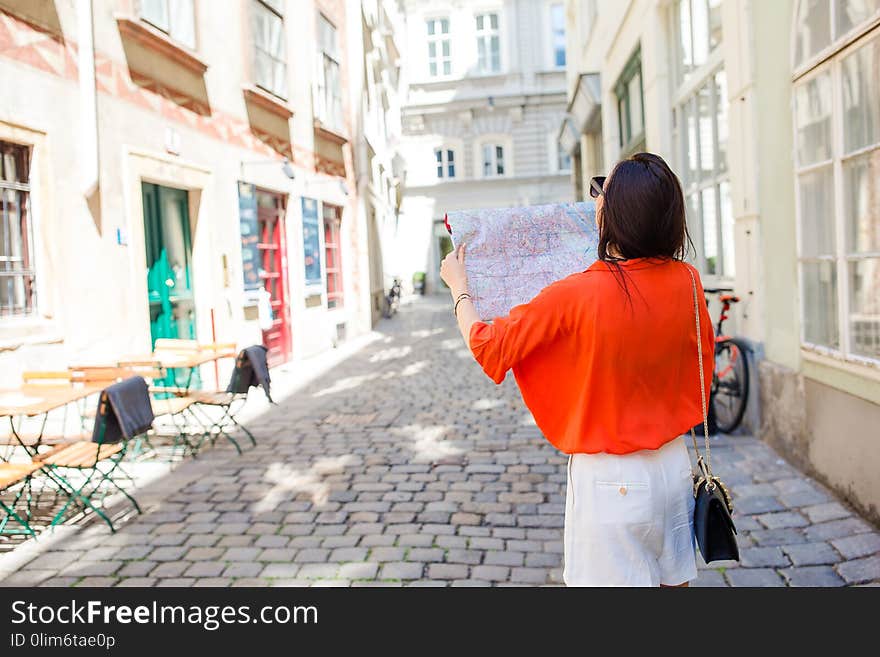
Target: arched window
(836, 63)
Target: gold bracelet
(461, 297)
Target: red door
(273, 258)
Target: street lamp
(286, 168)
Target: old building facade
(180, 168)
(380, 95)
(486, 92)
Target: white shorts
(629, 519)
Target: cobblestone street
(405, 465)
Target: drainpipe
(88, 156)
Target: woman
(606, 360)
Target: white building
(486, 96)
(770, 113)
(380, 168)
(162, 164)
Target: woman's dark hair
(642, 214)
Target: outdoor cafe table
(178, 360)
(35, 400)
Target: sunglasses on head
(596, 185)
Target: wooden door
(273, 273)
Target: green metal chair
(16, 477)
(124, 413)
(251, 370)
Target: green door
(169, 263)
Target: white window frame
(166, 23)
(851, 35)
(441, 167)
(270, 6)
(552, 35)
(494, 140)
(437, 39)
(622, 96)
(555, 153)
(843, 47)
(24, 191)
(685, 102)
(328, 98)
(484, 36)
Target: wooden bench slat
(13, 473)
(69, 453)
(80, 455)
(170, 406)
(31, 439)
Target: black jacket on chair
(251, 369)
(124, 411)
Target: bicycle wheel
(730, 385)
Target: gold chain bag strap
(713, 525)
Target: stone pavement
(405, 465)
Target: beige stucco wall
(829, 433)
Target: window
(270, 62)
(700, 126)
(557, 27)
(445, 159)
(488, 44)
(332, 255)
(630, 108)
(563, 159)
(439, 44)
(698, 27)
(818, 23)
(17, 276)
(329, 97)
(493, 160)
(837, 149)
(174, 17)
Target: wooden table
(34, 400)
(31, 400)
(178, 360)
(174, 359)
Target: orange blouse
(601, 372)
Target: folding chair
(171, 405)
(251, 369)
(12, 475)
(124, 412)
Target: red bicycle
(730, 380)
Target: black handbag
(713, 524)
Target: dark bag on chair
(713, 524)
(251, 369)
(124, 411)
